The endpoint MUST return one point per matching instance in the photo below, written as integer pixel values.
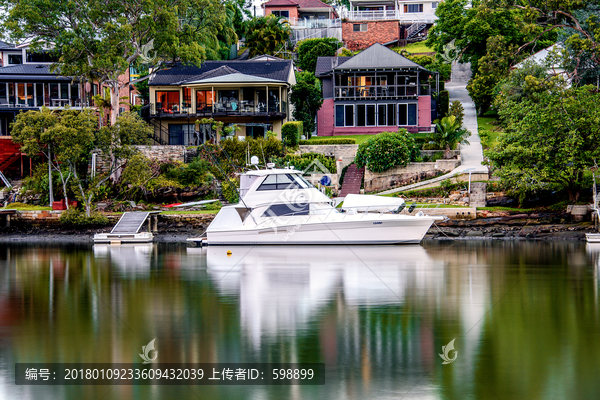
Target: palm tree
(267, 35)
(450, 133)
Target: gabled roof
(7, 46)
(541, 57)
(280, 3)
(276, 70)
(222, 70)
(326, 64)
(377, 56)
(233, 78)
(23, 72)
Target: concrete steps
(477, 198)
(352, 180)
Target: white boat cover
(368, 203)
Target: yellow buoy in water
(228, 252)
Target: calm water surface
(525, 317)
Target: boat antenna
(263, 153)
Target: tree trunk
(447, 154)
(114, 102)
(51, 192)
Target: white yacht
(279, 206)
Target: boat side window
(289, 209)
(304, 184)
(279, 182)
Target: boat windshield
(284, 181)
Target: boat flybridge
(279, 206)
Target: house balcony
(383, 15)
(42, 101)
(234, 109)
(306, 23)
(381, 92)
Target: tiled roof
(29, 72)
(271, 69)
(326, 64)
(312, 4)
(377, 56)
(279, 3)
(6, 46)
(222, 70)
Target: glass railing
(227, 108)
(383, 92)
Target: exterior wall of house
(292, 10)
(424, 108)
(377, 32)
(326, 118)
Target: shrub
(432, 146)
(75, 217)
(229, 190)
(291, 132)
(301, 162)
(386, 150)
(444, 103)
(328, 141)
(457, 109)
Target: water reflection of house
(252, 94)
(375, 91)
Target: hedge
(444, 103)
(328, 141)
(386, 150)
(291, 132)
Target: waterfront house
(307, 18)
(375, 91)
(388, 22)
(251, 94)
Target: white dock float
(127, 230)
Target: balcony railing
(381, 92)
(376, 15)
(41, 101)
(307, 23)
(243, 107)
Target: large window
(413, 8)
(183, 134)
(407, 114)
(360, 27)
(288, 209)
(365, 115)
(204, 100)
(15, 59)
(344, 115)
(284, 14)
(167, 101)
(283, 181)
(40, 57)
(228, 100)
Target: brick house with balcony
(251, 94)
(387, 22)
(26, 83)
(307, 18)
(375, 91)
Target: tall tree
(309, 50)
(267, 35)
(100, 39)
(307, 99)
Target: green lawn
(418, 47)
(489, 130)
(189, 212)
(359, 138)
(27, 207)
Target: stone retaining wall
(400, 176)
(160, 153)
(345, 152)
(36, 216)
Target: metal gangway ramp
(128, 229)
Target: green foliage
(346, 52)
(433, 64)
(328, 141)
(75, 217)
(303, 161)
(387, 150)
(310, 49)
(266, 35)
(550, 140)
(230, 190)
(457, 109)
(291, 132)
(446, 187)
(444, 103)
(307, 99)
(101, 39)
(449, 133)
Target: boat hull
(399, 230)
